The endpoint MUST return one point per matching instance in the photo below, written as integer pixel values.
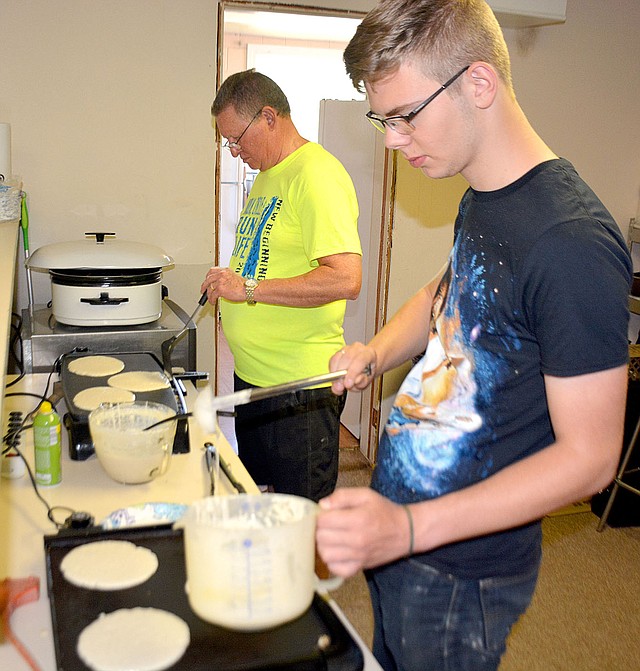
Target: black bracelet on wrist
(410, 519)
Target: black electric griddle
(315, 641)
(77, 420)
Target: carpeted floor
(585, 614)
(353, 595)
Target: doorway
(261, 39)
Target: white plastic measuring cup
(250, 559)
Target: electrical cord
(10, 384)
(13, 433)
(26, 393)
(55, 368)
(75, 518)
(16, 336)
(52, 511)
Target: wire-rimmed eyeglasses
(401, 123)
(235, 144)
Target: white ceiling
(299, 26)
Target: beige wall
(579, 83)
(109, 107)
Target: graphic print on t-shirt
(443, 397)
(507, 316)
(435, 408)
(252, 236)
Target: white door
(346, 133)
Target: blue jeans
(430, 621)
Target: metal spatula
(168, 345)
(207, 405)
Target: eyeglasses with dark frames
(401, 123)
(235, 144)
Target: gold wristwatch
(250, 285)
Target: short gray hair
(248, 92)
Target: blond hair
(438, 36)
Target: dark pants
(291, 441)
(430, 621)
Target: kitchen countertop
(85, 487)
(8, 250)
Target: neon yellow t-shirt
(302, 209)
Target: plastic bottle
(47, 444)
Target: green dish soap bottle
(47, 444)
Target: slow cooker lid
(99, 250)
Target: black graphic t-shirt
(537, 284)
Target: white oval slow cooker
(102, 281)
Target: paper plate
(144, 515)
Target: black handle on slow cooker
(104, 299)
(100, 235)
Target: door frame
(370, 415)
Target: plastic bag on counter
(10, 197)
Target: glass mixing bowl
(127, 452)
